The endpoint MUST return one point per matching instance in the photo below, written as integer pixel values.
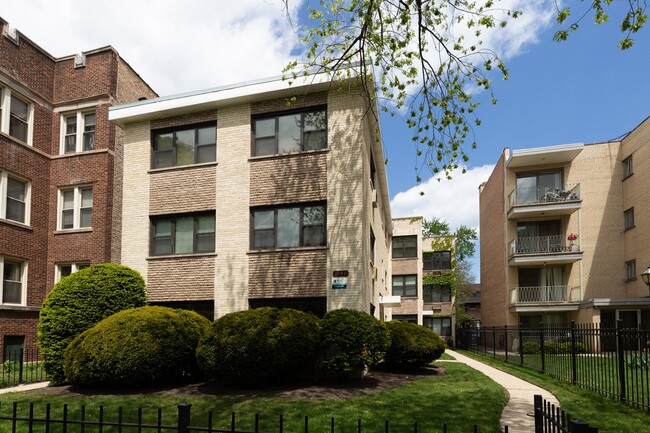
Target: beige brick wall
(181, 279)
(410, 227)
(283, 104)
(135, 218)
(183, 189)
(288, 274)
(185, 119)
(406, 266)
(233, 213)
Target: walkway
(27, 387)
(518, 413)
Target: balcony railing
(542, 245)
(544, 195)
(544, 295)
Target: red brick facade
(55, 88)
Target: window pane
(289, 133)
(65, 270)
(184, 235)
(70, 143)
(163, 159)
(207, 135)
(205, 243)
(185, 147)
(86, 219)
(18, 129)
(436, 325)
(265, 128)
(314, 215)
(89, 140)
(68, 199)
(288, 227)
(87, 197)
(206, 154)
(162, 228)
(205, 224)
(12, 287)
(315, 121)
(71, 125)
(19, 109)
(314, 236)
(162, 243)
(89, 122)
(263, 220)
(315, 130)
(263, 238)
(264, 146)
(315, 140)
(67, 219)
(162, 246)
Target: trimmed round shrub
(78, 302)
(412, 346)
(353, 340)
(259, 346)
(140, 346)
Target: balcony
(547, 296)
(543, 250)
(543, 202)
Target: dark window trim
(403, 248)
(629, 158)
(276, 115)
(445, 287)
(627, 277)
(440, 261)
(173, 129)
(300, 206)
(626, 212)
(195, 215)
(403, 278)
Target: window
(436, 293)
(630, 270)
(532, 187)
(65, 269)
(628, 168)
(78, 132)
(439, 325)
(628, 217)
(183, 234)
(405, 285)
(286, 227)
(15, 115)
(14, 346)
(294, 132)
(405, 247)
(408, 318)
(14, 198)
(184, 146)
(13, 277)
(436, 260)
(372, 246)
(75, 208)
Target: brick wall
(180, 279)
(186, 189)
(287, 274)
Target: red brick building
(60, 172)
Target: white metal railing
(543, 195)
(544, 294)
(542, 244)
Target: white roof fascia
(539, 153)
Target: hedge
(78, 302)
(412, 346)
(136, 347)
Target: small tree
(354, 340)
(78, 302)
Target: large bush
(78, 302)
(353, 340)
(140, 346)
(412, 346)
(259, 346)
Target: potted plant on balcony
(571, 238)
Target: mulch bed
(374, 382)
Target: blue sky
(582, 90)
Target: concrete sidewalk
(518, 414)
(26, 387)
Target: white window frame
(4, 179)
(76, 225)
(23, 281)
(79, 134)
(6, 94)
(75, 267)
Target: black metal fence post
(574, 354)
(621, 360)
(539, 419)
(494, 339)
(541, 347)
(184, 418)
(20, 365)
(505, 340)
(521, 345)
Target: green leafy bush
(412, 346)
(140, 346)
(78, 302)
(530, 347)
(563, 348)
(259, 346)
(353, 340)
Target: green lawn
(461, 398)
(10, 373)
(608, 415)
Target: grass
(452, 398)
(606, 414)
(10, 373)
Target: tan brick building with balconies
(257, 194)
(60, 166)
(565, 234)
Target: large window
(286, 227)
(439, 325)
(532, 187)
(408, 318)
(405, 285)
(405, 247)
(183, 234)
(15, 115)
(75, 208)
(628, 168)
(65, 269)
(184, 146)
(13, 277)
(436, 293)
(294, 132)
(14, 198)
(78, 132)
(436, 260)
(628, 218)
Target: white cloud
(454, 201)
(175, 46)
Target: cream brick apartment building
(257, 194)
(565, 233)
(416, 263)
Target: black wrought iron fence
(612, 361)
(551, 419)
(21, 366)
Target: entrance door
(631, 322)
